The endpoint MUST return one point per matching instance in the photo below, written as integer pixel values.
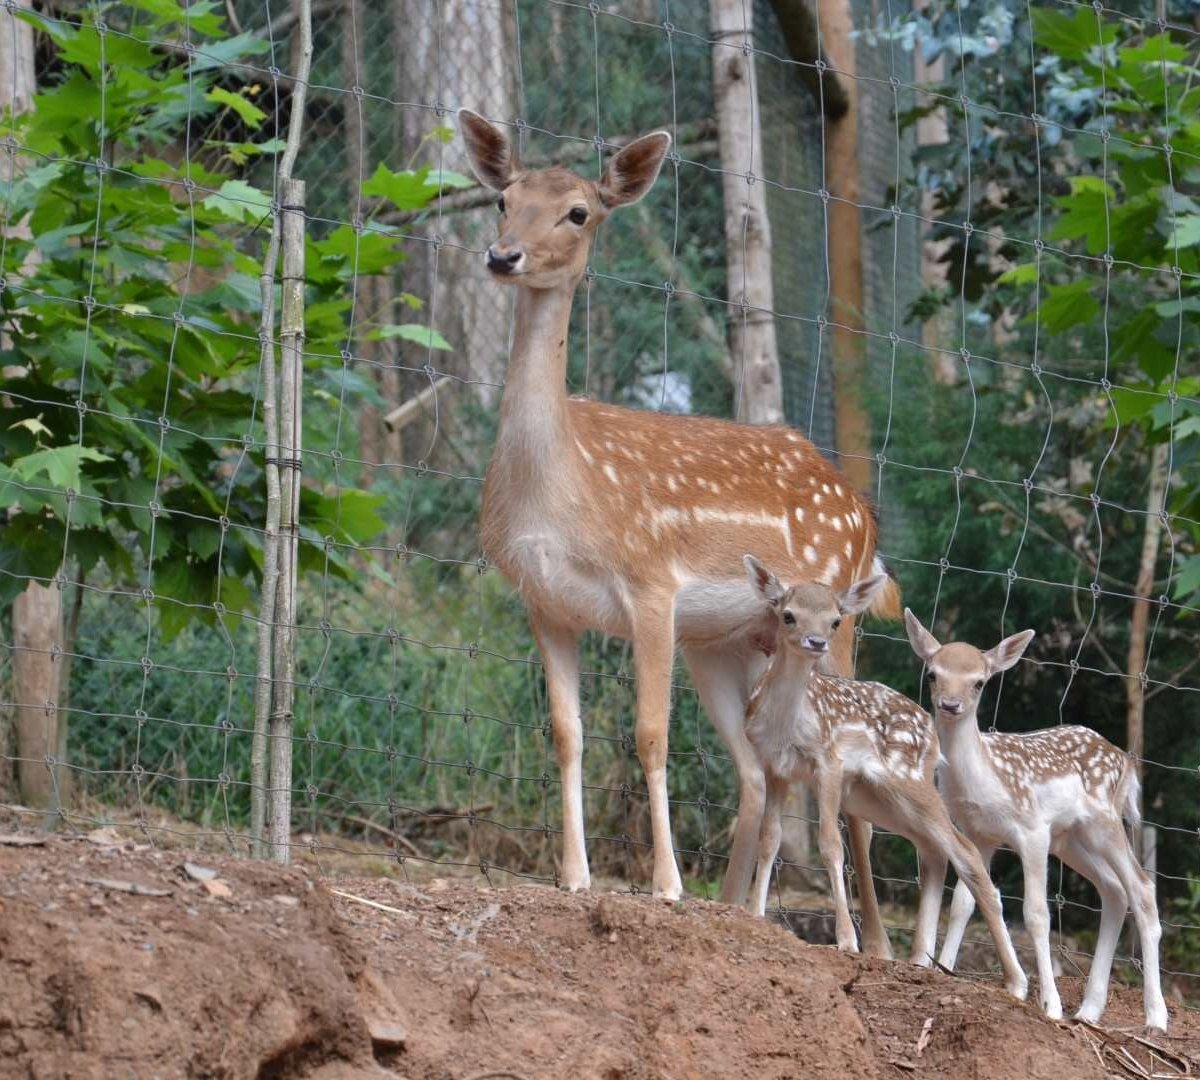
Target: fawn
(866, 750)
(1061, 791)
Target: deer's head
(548, 216)
(809, 614)
(958, 672)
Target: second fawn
(866, 750)
(1061, 791)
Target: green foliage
(130, 441)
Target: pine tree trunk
(758, 383)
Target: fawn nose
(815, 644)
(951, 705)
(502, 259)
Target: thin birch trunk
(1135, 664)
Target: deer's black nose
(815, 644)
(504, 260)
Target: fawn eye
(837, 623)
(578, 215)
(500, 204)
(930, 677)
(979, 686)
(789, 619)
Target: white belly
(550, 578)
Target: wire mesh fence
(1024, 429)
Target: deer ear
(858, 596)
(492, 157)
(1008, 652)
(924, 644)
(633, 171)
(765, 583)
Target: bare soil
(117, 961)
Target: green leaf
(1065, 306)
(1187, 580)
(1070, 36)
(1186, 232)
(239, 201)
(1023, 274)
(252, 116)
(422, 335)
(60, 464)
(447, 178)
(1086, 214)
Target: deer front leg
(829, 803)
(653, 659)
(874, 934)
(961, 908)
(933, 881)
(1034, 853)
(721, 678)
(560, 661)
(768, 844)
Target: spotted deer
(1062, 791)
(866, 750)
(633, 523)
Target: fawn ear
(924, 644)
(1008, 652)
(858, 596)
(765, 583)
(633, 171)
(492, 157)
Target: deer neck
(788, 675)
(534, 421)
(961, 744)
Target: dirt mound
(118, 961)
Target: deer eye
(837, 623)
(500, 204)
(930, 677)
(789, 619)
(578, 215)
(979, 686)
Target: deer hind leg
(928, 823)
(829, 802)
(874, 935)
(560, 661)
(1034, 853)
(721, 678)
(1113, 905)
(768, 844)
(654, 658)
(1140, 890)
(933, 881)
(961, 908)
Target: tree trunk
(758, 386)
(845, 255)
(37, 612)
(37, 630)
(1135, 664)
(457, 52)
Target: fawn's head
(958, 672)
(548, 216)
(810, 613)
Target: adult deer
(1060, 791)
(864, 748)
(634, 523)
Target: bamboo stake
(259, 779)
(291, 371)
